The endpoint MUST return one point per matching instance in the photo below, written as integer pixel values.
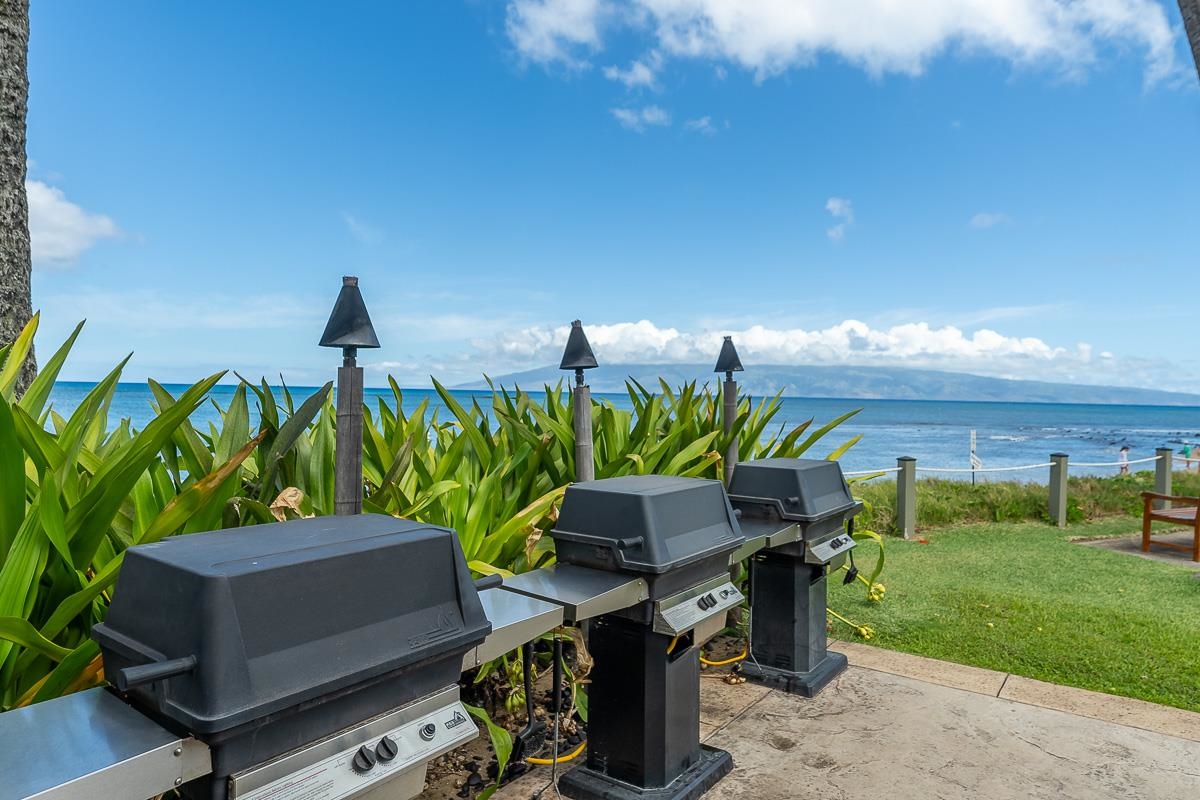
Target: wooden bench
(1185, 516)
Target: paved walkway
(897, 726)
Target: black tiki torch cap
(578, 354)
(349, 323)
(728, 361)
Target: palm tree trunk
(16, 305)
(1191, 21)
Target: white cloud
(548, 31)
(768, 37)
(701, 125)
(841, 209)
(641, 74)
(367, 234)
(849, 343)
(60, 231)
(636, 119)
(989, 220)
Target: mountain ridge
(854, 382)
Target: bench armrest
(1187, 501)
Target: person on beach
(1187, 457)
(1123, 459)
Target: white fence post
(1162, 474)
(906, 496)
(1058, 489)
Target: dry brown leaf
(531, 541)
(288, 500)
(583, 659)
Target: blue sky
(1006, 187)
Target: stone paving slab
(1097, 705)
(720, 702)
(930, 670)
(1120, 710)
(873, 734)
(1132, 545)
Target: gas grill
(796, 515)
(649, 555)
(316, 659)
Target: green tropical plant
(75, 492)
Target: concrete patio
(1132, 545)
(901, 726)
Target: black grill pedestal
(787, 631)
(804, 510)
(644, 725)
(676, 536)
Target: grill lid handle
(489, 582)
(129, 677)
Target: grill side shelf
(102, 748)
(583, 593)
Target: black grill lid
(276, 615)
(799, 489)
(645, 523)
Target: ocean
(936, 433)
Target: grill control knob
(428, 731)
(386, 749)
(364, 760)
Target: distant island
(882, 383)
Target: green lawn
(1021, 598)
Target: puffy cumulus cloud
(641, 74)
(768, 37)
(59, 230)
(840, 209)
(852, 342)
(637, 119)
(548, 31)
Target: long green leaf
(12, 481)
(502, 745)
(288, 433)
(18, 351)
(90, 518)
(821, 431)
(196, 496)
(841, 449)
(22, 570)
(35, 397)
(20, 632)
(68, 671)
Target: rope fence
(1116, 463)
(906, 471)
(872, 471)
(985, 469)
(967, 470)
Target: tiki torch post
(349, 328)
(578, 356)
(729, 363)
